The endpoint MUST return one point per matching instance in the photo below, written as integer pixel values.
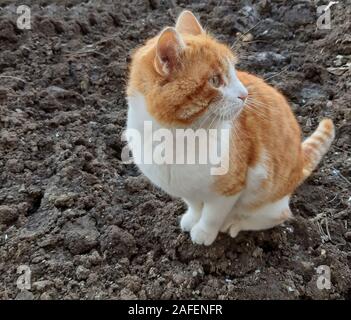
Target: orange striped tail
(317, 145)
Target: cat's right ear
(188, 24)
(168, 50)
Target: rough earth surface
(89, 226)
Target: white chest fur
(186, 180)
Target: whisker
(262, 105)
(213, 120)
(259, 103)
(206, 117)
(259, 114)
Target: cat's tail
(317, 145)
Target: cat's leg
(192, 215)
(232, 225)
(213, 215)
(262, 218)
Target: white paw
(234, 230)
(188, 220)
(232, 227)
(201, 236)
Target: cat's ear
(168, 50)
(188, 24)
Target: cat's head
(186, 75)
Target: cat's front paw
(200, 235)
(188, 220)
(234, 230)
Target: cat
(185, 78)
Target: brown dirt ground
(89, 226)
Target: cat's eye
(215, 81)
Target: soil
(89, 226)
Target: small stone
(337, 71)
(267, 59)
(247, 37)
(55, 90)
(65, 200)
(313, 92)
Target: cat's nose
(243, 96)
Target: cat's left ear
(188, 24)
(169, 47)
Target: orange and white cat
(184, 78)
